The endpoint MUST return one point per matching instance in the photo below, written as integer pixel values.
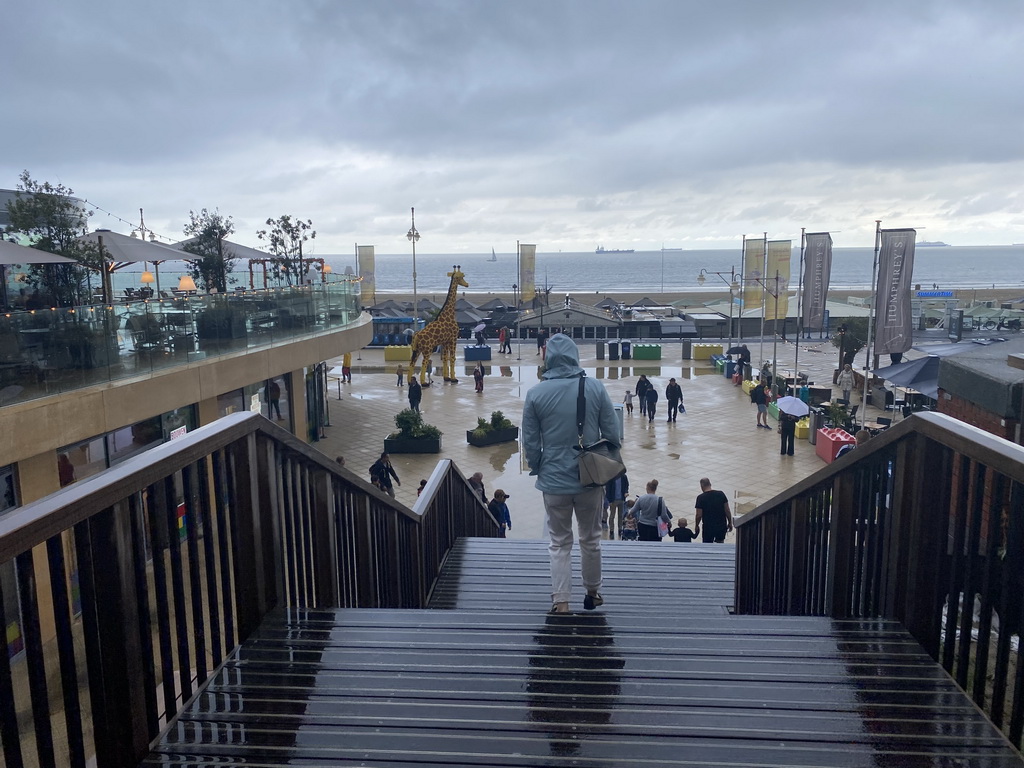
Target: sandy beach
(699, 298)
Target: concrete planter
(420, 445)
(493, 437)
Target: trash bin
(814, 419)
(687, 348)
(626, 350)
(613, 350)
(600, 350)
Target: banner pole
(764, 297)
(799, 307)
(871, 317)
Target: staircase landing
(644, 681)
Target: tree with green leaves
(211, 261)
(49, 218)
(286, 237)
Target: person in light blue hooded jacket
(549, 437)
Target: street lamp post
(140, 231)
(515, 301)
(733, 284)
(414, 237)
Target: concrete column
(297, 404)
(209, 411)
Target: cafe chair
(884, 421)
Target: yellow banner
(753, 272)
(780, 253)
(368, 287)
(527, 270)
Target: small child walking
(628, 400)
(400, 370)
(682, 533)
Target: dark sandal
(590, 602)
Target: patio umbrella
(124, 250)
(794, 406)
(921, 374)
(12, 253)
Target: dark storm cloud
(528, 113)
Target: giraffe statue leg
(425, 370)
(448, 362)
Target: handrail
(142, 579)
(924, 524)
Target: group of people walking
(647, 395)
(648, 518)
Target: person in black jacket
(759, 397)
(651, 396)
(381, 473)
(415, 392)
(674, 395)
(641, 391)
(787, 428)
(615, 494)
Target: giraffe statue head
(457, 277)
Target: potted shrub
(497, 430)
(413, 435)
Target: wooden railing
(923, 524)
(134, 585)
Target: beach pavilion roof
(607, 303)
(464, 304)
(645, 302)
(493, 304)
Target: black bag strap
(581, 411)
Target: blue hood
(562, 360)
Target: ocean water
(647, 271)
(653, 271)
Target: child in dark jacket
(682, 533)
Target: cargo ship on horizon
(602, 249)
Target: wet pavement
(715, 438)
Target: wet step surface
(641, 681)
(638, 576)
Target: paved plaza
(716, 437)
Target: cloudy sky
(564, 123)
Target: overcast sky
(567, 124)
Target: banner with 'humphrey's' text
(776, 279)
(753, 271)
(527, 270)
(817, 273)
(368, 284)
(893, 319)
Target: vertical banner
(893, 322)
(780, 255)
(817, 273)
(527, 272)
(753, 269)
(368, 291)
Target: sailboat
(494, 256)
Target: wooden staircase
(661, 675)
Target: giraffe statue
(442, 332)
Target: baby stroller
(628, 529)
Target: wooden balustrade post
(796, 576)
(111, 623)
(841, 546)
(325, 553)
(921, 508)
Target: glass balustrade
(52, 350)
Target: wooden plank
(639, 682)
